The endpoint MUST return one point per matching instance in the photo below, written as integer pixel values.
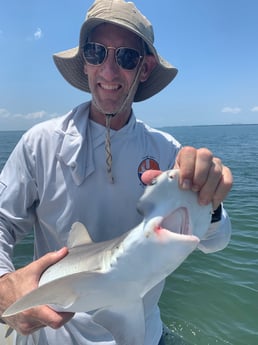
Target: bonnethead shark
(112, 277)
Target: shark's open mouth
(177, 221)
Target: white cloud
(38, 34)
(37, 115)
(4, 113)
(33, 116)
(232, 110)
(10, 120)
(255, 109)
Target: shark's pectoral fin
(124, 321)
(45, 294)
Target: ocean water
(210, 299)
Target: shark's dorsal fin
(78, 236)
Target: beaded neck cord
(108, 121)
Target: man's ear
(148, 65)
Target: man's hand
(15, 285)
(202, 173)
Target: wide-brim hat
(125, 14)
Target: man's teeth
(109, 87)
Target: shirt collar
(75, 143)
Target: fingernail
(203, 202)
(61, 251)
(186, 184)
(195, 188)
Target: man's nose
(110, 65)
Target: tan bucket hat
(125, 14)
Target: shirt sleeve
(217, 236)
(18, 195)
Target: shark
(111, 278)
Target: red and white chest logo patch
(147, 163)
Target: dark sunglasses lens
(127, 58)
(94, 53)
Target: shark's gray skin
(112, 277)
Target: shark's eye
(171, 176)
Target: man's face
(109, 83)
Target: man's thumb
(47, 260)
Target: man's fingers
(210, 184)
(203, 168)
(199, 172)
(49, 317)
(185, 161)
(223, 188)
(33, 319)
(149, 175)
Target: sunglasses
(96, 54)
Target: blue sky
(213, 43)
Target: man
(89, 165)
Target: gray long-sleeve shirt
(57, 175)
